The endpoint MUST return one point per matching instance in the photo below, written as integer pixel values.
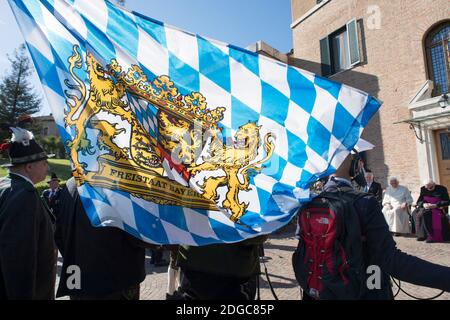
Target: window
(438, 58)
(445, 146)
(45, 131)
(340, 50)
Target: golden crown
(162, 93)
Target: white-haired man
(430, 217)
(396, 202)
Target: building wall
(49, 123)
(393, 71)
(300, 7)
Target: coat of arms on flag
(180, 139)
(181, 122)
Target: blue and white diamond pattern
(315, 121)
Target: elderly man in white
(395, 207)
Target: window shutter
(325, 56)
(353, 42)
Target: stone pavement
(279, 249)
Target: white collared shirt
(52, 192)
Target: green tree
(42, 142)
(52, 145)
(60, 150)
(17, 97)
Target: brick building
(398, 51)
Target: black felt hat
(23, 148)
(53, 178)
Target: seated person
(430, 217)
(396, 202)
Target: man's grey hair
(393, 179)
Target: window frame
(332, 53)
(444, 139)
(328, 66)
(358, 42)
(428, 48)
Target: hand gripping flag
(179, 139)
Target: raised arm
(392, 260)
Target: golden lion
(104, 95)
(179, 138)
(233, 161)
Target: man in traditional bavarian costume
(27, 249)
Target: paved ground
(279, 250)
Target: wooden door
(442, 138)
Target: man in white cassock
(395, 207)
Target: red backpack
(328, 261)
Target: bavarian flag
(180, 139)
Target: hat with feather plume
(23, 148)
